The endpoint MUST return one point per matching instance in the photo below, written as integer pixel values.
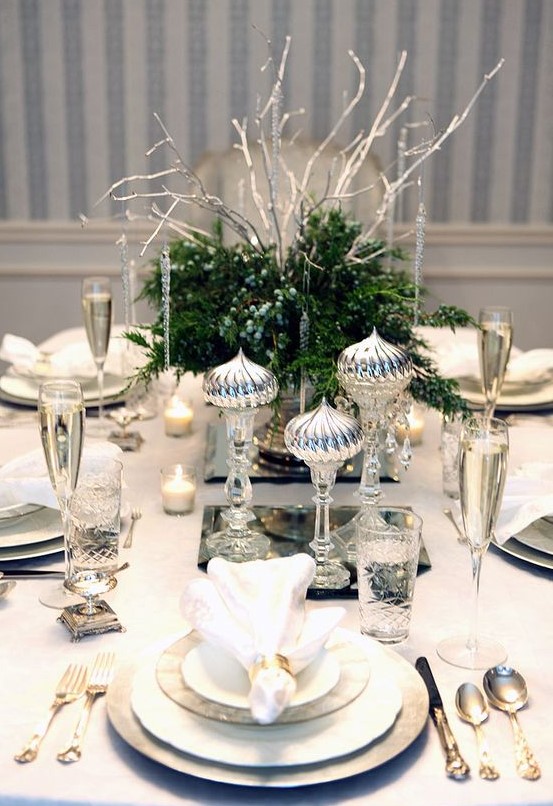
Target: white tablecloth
(516, 605)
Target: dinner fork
(136, 514)
(69, 688)
(100, 678)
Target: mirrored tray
(290, 530)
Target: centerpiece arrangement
(308, 280)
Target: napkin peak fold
(256, 612)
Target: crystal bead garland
(239, 388)
(375, 374)
(324, 439)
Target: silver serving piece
(239, 388)
(375, 374)
(324, 439)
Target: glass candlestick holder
(239, 388)
(324, 438)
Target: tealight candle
(416, 425)
(177, 417)
(178, 489)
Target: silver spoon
(506, 690)
(473, 708)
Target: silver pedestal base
(81, 624)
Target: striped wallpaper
(80, 80)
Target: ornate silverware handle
(30, 750)
(527, 766)
(73, 751)
(455, 765)
(487, 769)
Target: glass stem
(323, 481)
(66, 524)
(476, 561)
(100, 374)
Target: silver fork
(136, 514)
(69, 688)
(100, 678)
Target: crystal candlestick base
(239, 388)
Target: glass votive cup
(178, 489)
(388, 545)
(449, 448)
(177, 417)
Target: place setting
(258, 690)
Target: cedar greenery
(228, 296)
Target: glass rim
(416, 526)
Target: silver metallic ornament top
(323, 435)
(239, 384)
(374, 361)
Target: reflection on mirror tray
(290, 530)
(261, 469)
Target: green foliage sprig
(228, 296)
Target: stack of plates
(29, 531)
(533, 544)
(22, 388)
(357, 706)
(515, 395)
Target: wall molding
(66, 249)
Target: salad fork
(100, 678)
(70, 687)
(136, 514)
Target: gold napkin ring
(270, 662)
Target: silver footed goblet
(324, 438)
(239, 388)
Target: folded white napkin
(256, 612)
(528, 496)
(25, 480)
(533, 366)
(71, 360)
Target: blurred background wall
(81, 79)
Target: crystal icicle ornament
(324, 439)
(374, 373)
(239, 388)
(165, 266)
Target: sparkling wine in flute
(495, 340)
(483, 452)
(97, 313)
(61, 433)
(97, 322)
(61, 418)
(482, 470)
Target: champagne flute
(97, 312)
(483, 452)
(61, 416)
(494, 342)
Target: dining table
(516, 606)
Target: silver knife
(455, 766)
(22, 573)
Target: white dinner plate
(216, 676)
(36, 527)
(287, 745)
(16, 389)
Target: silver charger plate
(42, 549)
(354, 674)
(538, 536)
(406, 728)
(13, 511)
(513, 548)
